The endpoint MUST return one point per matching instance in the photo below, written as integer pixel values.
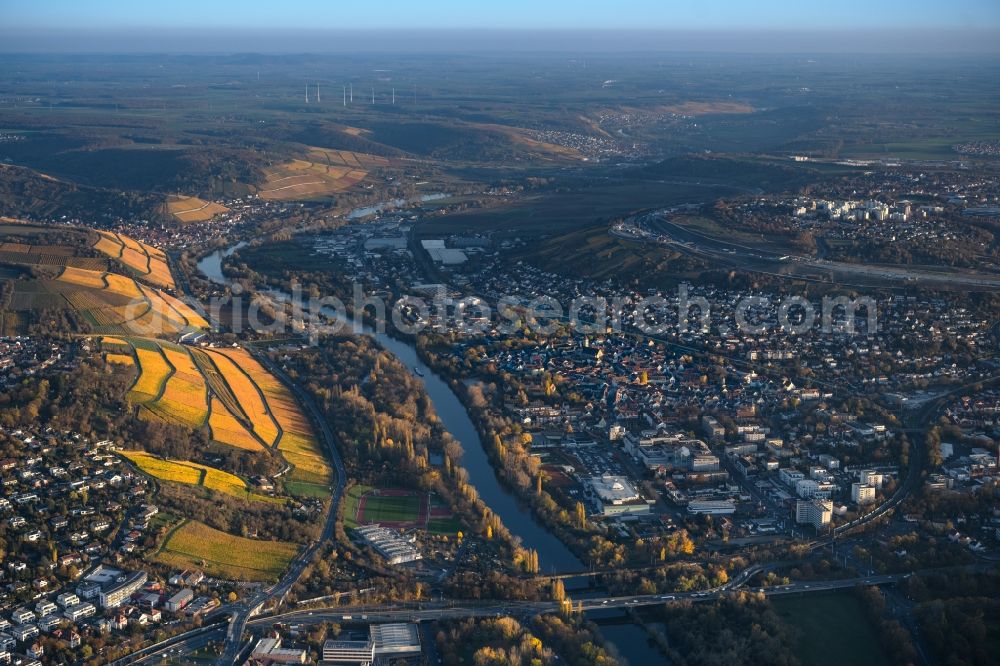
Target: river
(630, 641)
(365, 211)
(553, 555)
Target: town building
(269, 651)
(816, 512)
(349, 652)
(862, 493)
(179, 600)
(389, 544)
(712, 507)
(395, 640)
(615, 495)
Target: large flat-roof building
(443, 255)
(179, 600)
(385, 642)
(116, 586)
(398, 639)
(349, 652)
(389, 544)
(615, 495)
(268, 650)
(712, 507)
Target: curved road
(242, 612)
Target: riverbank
(553, 554)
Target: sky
(90, 25)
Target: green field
(398, 510)
(305, 489)
(379, 509)
(444, 525)
(391, 509)
(351, 498)
(832, 630)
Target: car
(604, 602)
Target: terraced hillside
(195, 474)
(185, 209)
(296, 440)
(106, 282)
(228, 392)
(320, 173)
(145, 261)
(107, 302)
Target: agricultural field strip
(239, 375)
(226, 429)
(163, 387)
(142, 382)
(120, 359)
(228, 394)
(298, 443)
(106, 239)
(153, 297)
(224, 553)
(185, 396)
(203, 206)
(220, 389)
(192, 473)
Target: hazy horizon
(327, 41)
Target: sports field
(194, 545)
(402, 509)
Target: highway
(461, 609)
(448, 610)
(727, 252)
(181, 644)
